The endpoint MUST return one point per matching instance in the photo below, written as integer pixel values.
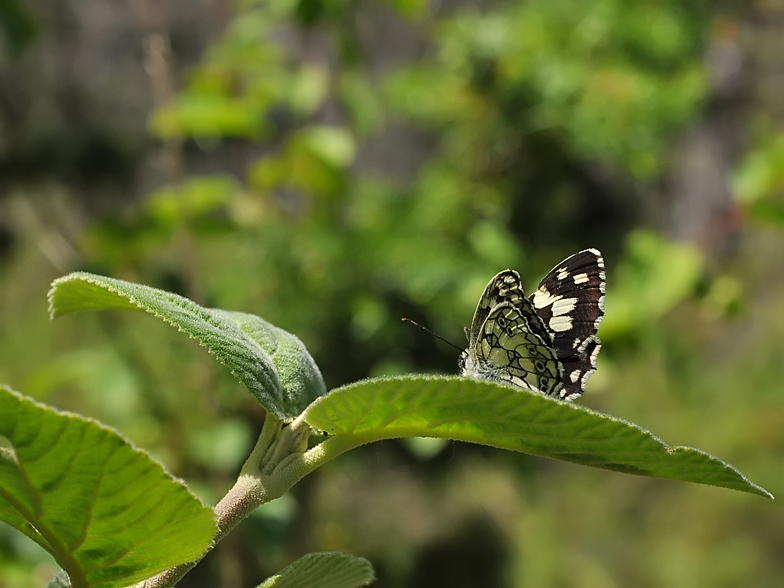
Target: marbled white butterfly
(545, 343)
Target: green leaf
(510, 418)
(324, 570)
(273, 364)
(109, 514)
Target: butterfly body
(545, 343)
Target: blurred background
(335, 166)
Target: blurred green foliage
(533, 129)
(759, 180)
(17, 26)
(608, 80)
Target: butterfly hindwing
(514, 347)
(570, 302)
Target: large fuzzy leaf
(272, 363)
(510, 418)
(109, 514)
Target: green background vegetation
(335, 166)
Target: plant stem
(278, 461)
(266, 475)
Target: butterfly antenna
(408, 320)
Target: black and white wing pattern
(508, 342)
(570, 302)
(546, 343)
(504, 287)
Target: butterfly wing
(505, 286)
(513, 346)
(570, 302)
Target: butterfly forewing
(570, 301)
(504, 287)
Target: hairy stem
(251, 490)
(278, 461)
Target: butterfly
(544, 343)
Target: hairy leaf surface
(487, 413)
(272, 363)
(324, 570)
(107, 512)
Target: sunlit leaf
(510, 418)
(109, 514)
(273, 364)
